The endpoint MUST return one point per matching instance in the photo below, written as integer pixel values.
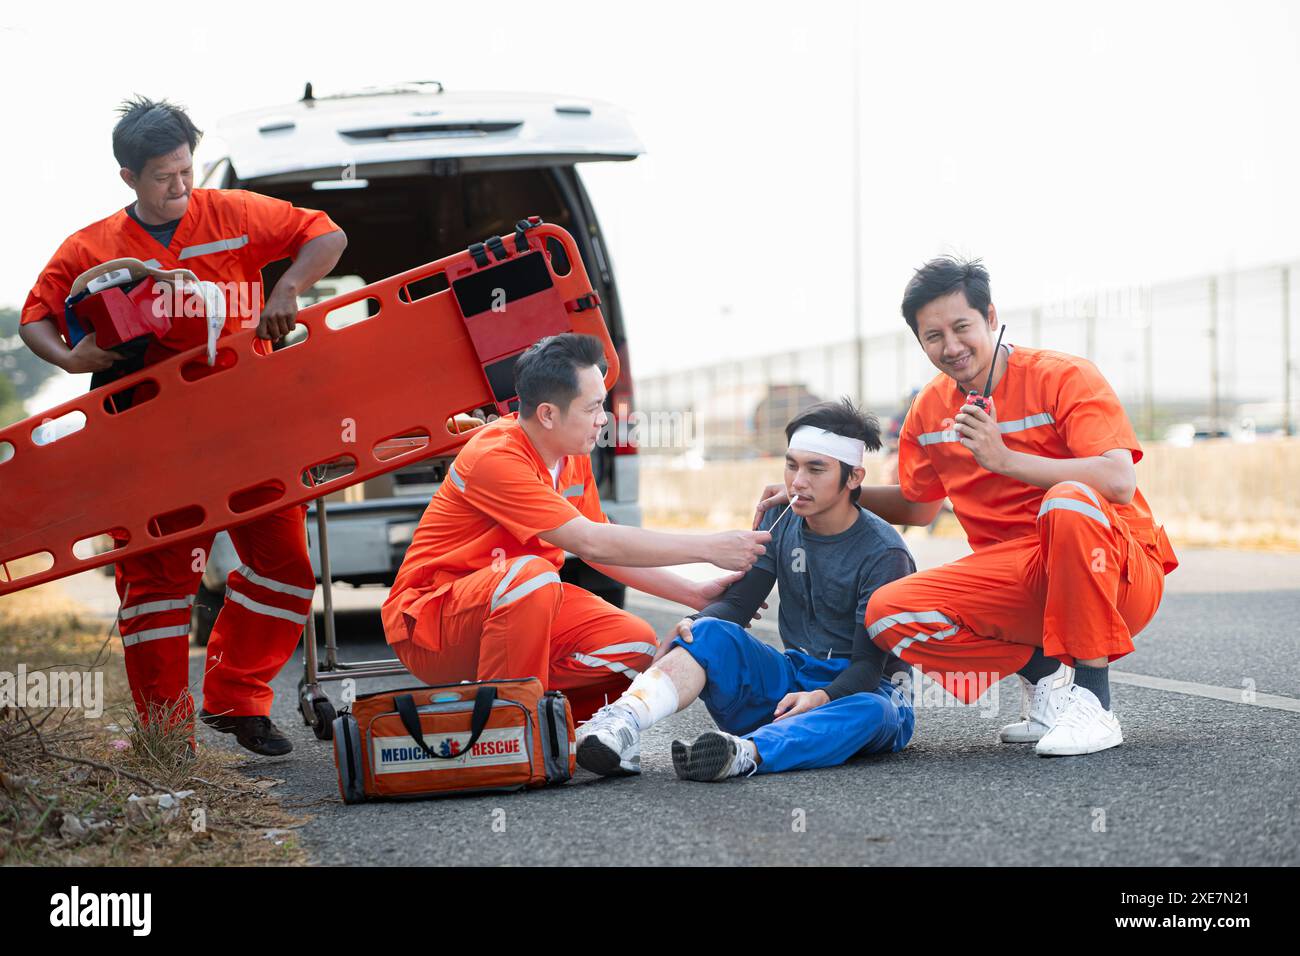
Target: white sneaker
(714, 755)
(1041, 703)
(610, 743)
(1082, 727)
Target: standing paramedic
(1068, 562)
(225, 237)
(479, 594)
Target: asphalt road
(1198, 780)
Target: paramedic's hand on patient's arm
(800, 702)
(710, 591)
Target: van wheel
(207, 605)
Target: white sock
(650, 699)
(747, 746)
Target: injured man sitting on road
(794, 710)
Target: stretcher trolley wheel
(323, 713)
(347, 756)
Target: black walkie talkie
(975, 398)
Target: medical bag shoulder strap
(483, 701)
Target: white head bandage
(847, 450)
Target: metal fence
(1207, 356)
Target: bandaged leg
(654, 696)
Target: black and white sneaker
(610, 743)
(715, 755)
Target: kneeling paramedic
(1068, 562)
(479, 594)
(224, 237)
(821, 701)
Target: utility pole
(1214, 355)
(1286, 351)
(859, 359)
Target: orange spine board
(212, 452)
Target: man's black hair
(548, 370)
(944, 276)
(842, 418)
(150, 128)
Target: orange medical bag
(453, 738)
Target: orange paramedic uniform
(479, 595)
(227, 237)
(1062, 568)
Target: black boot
(257, 734)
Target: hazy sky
(1071, 145)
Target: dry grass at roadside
(66, 780)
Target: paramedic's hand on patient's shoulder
(681, 629)
(978, 431)
(279, 315)
(772, 496)
(86, 356)
(738, 550)
(800, 702)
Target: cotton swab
(787, 508)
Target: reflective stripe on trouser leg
(596, 646)
(592, 661)
(157, 657)
(271, 584)
(153, 607)
(501, 596)
(263, 617)
(515, 640)
(891, 621)
(155, 646)
(965, 663)
(1083, 549)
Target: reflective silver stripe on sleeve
(1069, 504)
(528, 587)
(155, 634)
(154, 606)
(1022, 424)
(934, 438)
(907, 617)
(632, 647)
(218, 245)
(1084, 488)
(598, 662)
(273, 585)
(257, 607)
(1019, 425)
(454, 478)
(153, 264)
(573, 491)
